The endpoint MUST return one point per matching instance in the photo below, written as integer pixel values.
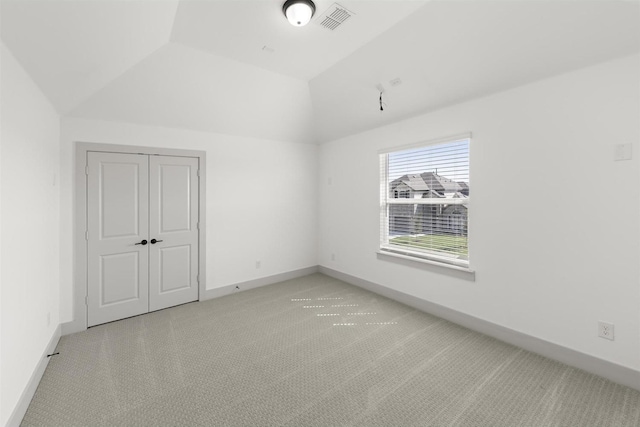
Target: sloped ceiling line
(186, 64)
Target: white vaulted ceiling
(203, 64)
(73, 48)
(451, 51)
(241, 29)
(179, 86)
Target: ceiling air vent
(334, 17)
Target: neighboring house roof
(440, 183)
(431, 195)
(455, 209)
(455, 195)
(431, 185)
(414, 182)
(464, 187)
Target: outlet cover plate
(605, 330)
(622, 152)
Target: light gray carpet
(312, 351)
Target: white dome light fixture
(299, 12)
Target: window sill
(384, 253)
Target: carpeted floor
(312, 351)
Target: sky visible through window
(450, 160)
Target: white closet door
(173, 226)
(118, 227)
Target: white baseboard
(27, 394)
(72, 327)
(77, 326)
(609, 370)
(256, 283)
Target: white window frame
(386, 248)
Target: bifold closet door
(173, 225)
(118, 228)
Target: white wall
(554, 221)
(2, 410)
(261, 199)
(30, 233)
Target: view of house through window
(425, 201)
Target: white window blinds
(424, 197)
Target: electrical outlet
(258, 264)
(622, 152)
(605, 330)
(333, 257)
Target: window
(424, 199)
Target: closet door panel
(118, 225)
(173, 225)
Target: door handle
(154, 241)
(144, 242)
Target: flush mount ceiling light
(299, 12)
